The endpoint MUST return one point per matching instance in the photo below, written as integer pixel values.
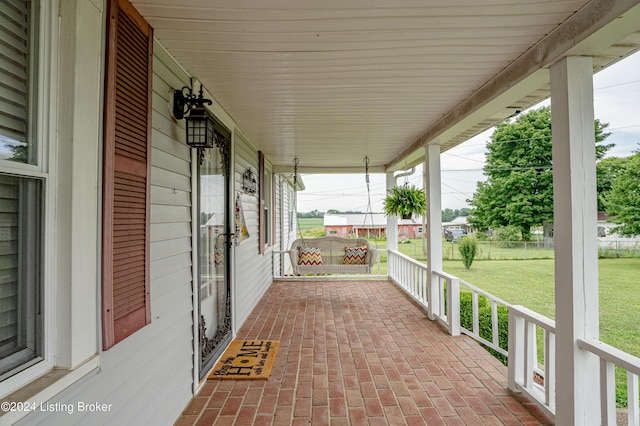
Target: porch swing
(331, 254)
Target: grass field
(305, 224)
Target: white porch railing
(475, 332)
(409, 274)
(527, 373)
(412, 277)
(611, 357)
(447, 308)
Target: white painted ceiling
(333, 81)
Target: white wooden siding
(277, 208)
(253, 271)
(148, 377)
(285, 222)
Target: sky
(616, 101)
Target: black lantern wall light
(202, 129)
(200, 123)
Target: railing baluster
(453, 306)
(608, 393)
(425, 287)
(494, 322)
(529, 354)
(550, 369)
(633, 412)
(474, 311)
(420, 291)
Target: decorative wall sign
(249, 182)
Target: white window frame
(44, 141)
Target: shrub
(468, 247)
(481, 236)
(484, 322)
(508, 233)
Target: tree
(465, 211)
(519, 186)
(20, 153)
(623, 201)
(449, 215)
(607, 171)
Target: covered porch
(361, 352)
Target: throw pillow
(355, 255)
(310, 256)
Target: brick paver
(359, 353)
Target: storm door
(214, 243)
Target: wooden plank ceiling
(333, 81)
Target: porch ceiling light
(200, 123)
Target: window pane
(20, 272)
(17, 66)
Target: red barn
(361, 225)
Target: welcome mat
(246, 359)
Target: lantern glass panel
(200, 129)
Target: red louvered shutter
(127, 166)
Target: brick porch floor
(360, 353)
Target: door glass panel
(215, 306)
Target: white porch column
(434, 221)
(576, 246)
(392, 221)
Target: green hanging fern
(404, 201)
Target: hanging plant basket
(405, 201)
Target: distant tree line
(318, 214)
(311, 215)
(448, 215)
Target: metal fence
(508, 250)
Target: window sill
(45, 388)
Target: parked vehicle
(454, 234)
